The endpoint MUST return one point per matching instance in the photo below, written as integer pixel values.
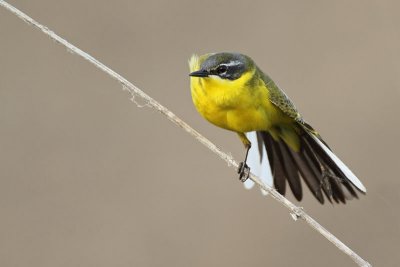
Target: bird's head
(225, 66)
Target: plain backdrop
(89, 179)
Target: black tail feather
(282, 165)
(291, 170)
(320, 173)
(275, 162)
(316, 165)
(309, 172)
(330, 171)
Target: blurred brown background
(89, 179)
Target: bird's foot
(243, 171)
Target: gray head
(229, 66)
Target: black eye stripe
(221, 69)
(226, 66)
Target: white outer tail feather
(349, 174)
(263, 169)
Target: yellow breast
(233, 105)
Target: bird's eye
(221, 69)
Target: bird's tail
(322, 171)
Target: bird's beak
(199, 73)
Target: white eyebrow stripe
(233, 63)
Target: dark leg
(243, 169)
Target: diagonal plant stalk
(295, 211)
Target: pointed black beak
(199, 73)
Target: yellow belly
(232, 105)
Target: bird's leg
(243, 169)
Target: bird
(230, 91)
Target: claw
(243, 171)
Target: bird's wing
(257, 159)
(280, 99)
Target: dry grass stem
(295, 211)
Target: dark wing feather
(320, 172)
(280, 99)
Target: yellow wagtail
(230, 91)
